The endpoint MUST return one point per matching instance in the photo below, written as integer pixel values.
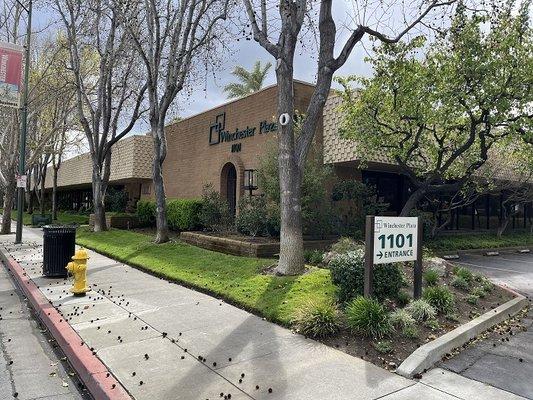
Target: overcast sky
(208, 94)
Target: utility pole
(23, 126)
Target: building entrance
(229, 186)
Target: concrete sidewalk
(164, 341)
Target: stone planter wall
(118, 221)
(245, 248)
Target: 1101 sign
(396, 241)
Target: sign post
(23, 127)
(390, 240)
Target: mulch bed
(362, 347)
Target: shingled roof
(131, 159)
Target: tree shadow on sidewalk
(267, 343)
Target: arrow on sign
(380, 255)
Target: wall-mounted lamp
(250, 180)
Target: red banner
(10, 74)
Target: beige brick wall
(192, 162)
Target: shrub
(368, 317)
(214, 215)
(487, 286)
(440, 297)
(252, 218)
(315, 204)
(184, 214)
(383, 346)
(431, 277)
(313, 257)
(410, 332)
(347, 273)
(464, 273)
(146, 212)
(432, 324)
(452, 317)
(472, 299)
(460, 283)
(116, 200)
(421, 310)
(400, 319)
(403, 298)
(316, 319)
(344, 245)
(479, 292)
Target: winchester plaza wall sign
(219, 134)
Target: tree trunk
(159, 187)
(98, 201)
(28, 193)
(291, 251)
(9, 196)
(412, 201)
(504, 222)
(54, 195)
(41, 192)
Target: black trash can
(59, 245)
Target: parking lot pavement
(505, 361)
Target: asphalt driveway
(504, 361)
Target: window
(146, 188)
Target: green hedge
(146, 212)
(182, 214)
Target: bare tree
(171, 36)
(8, 162)
(104, 67)
(293, 151)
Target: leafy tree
(280, 26)
(438, 115)
(249, 81)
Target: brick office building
(223, 146)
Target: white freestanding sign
(395, 239)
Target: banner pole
(23, 130)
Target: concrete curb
(427, 355)
(482, 250)
(92, 372)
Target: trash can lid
(81, 254)
(69, 228)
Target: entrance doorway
(229, 186)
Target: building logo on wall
(219, 134)
(217, 128)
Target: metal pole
(23, 129)
(369, 257)
(417, 289)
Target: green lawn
(236, 279)
(62, 218)
(479, 241)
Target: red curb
(92, 372)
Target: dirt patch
(402, 347)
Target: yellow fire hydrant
(78, 268)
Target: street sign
(390, 240)
(21, 181)
(395, 239)
(10, 74)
